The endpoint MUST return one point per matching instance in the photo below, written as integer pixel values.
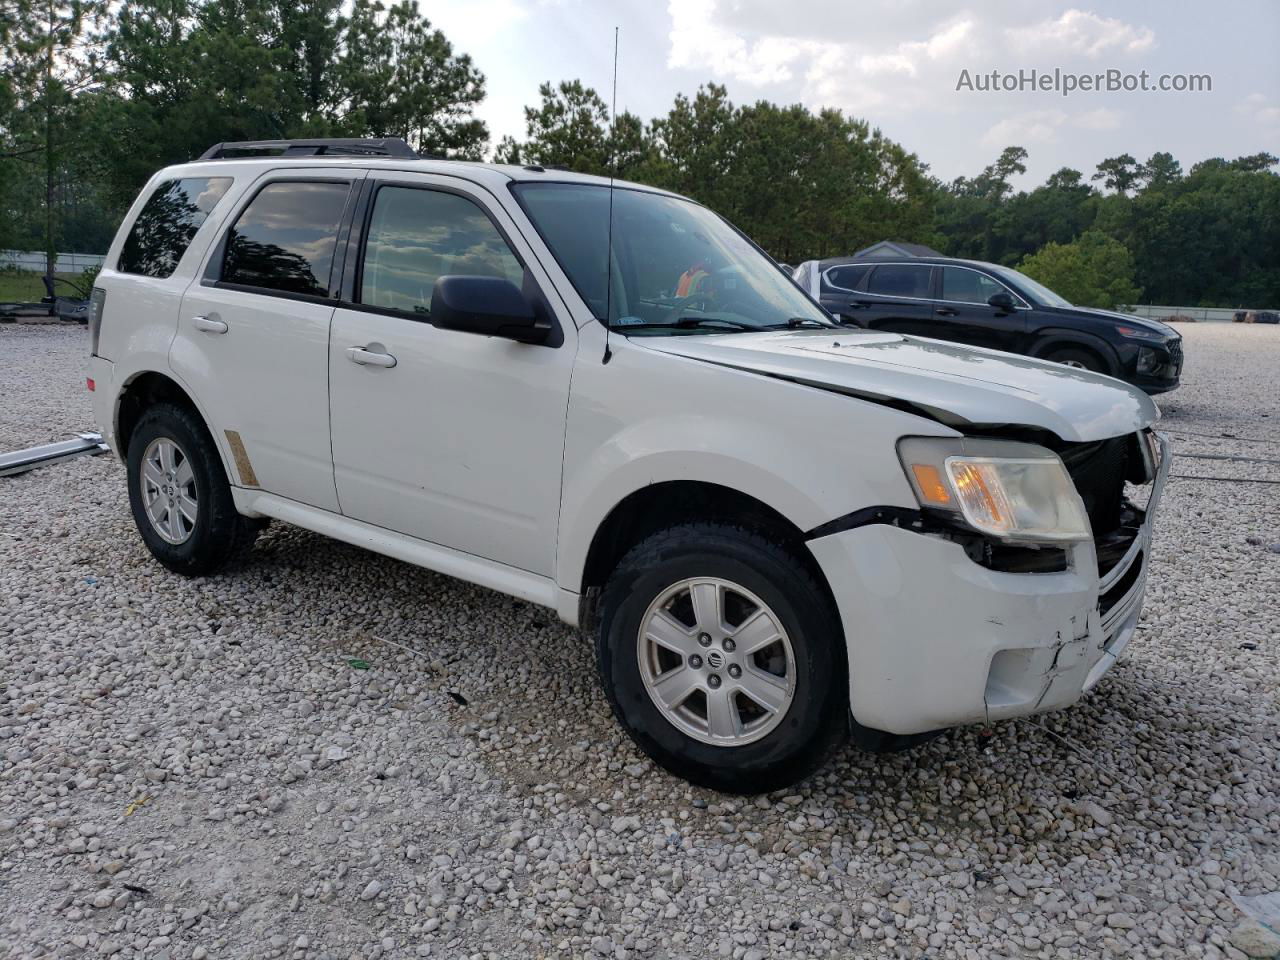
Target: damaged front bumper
(936, 640)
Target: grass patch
(22, 286)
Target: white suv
(604, 399)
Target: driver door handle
(370, 358)
(209, 324)
(946, 312)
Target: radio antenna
(613, 169)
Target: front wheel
(723, 659)
(1077, 359)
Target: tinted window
(967, 286)
(285, 238)
(417, 236)
(900, 280)
(847, 278)
(574, 221)
(168, 221)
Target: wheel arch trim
(127, 383)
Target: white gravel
(195, 768)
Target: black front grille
(1099, 470)
(1175, 351)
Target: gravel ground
(203, 768)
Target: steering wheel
(676, 308)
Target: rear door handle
(370, 358)
(947, 312)
(209, 324)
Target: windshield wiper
(688, 323)
(794, 323)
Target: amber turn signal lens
(932, 487)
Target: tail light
(97, 303)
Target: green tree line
(95, 96)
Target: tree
(46, 65)
(1092, 271)
(630, 148)
(399, 77)
(1160, 171)
(697, 142)
(1212, 238)
(1120, 174)
(1255, 162)
(188, 73)
(968, 207)
(993, 183)
(1057, 212)
(569, 129)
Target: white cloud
(1260, 110)
(906, 57)
(698, 42)
(850, 77)
(1100, 119)
(837, 72)
(1032, 126)
(1081, 32)
(470, 23)
(1042, 126)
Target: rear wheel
(723, 659)
(179, 494)
(1077, 358)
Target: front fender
(647, 417)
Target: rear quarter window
(168, 221)
(847, 278)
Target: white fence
(1195, 313)
(34, 261)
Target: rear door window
(167, 223)
(900, 280)
(967, 286)
(285, 238)
(417, 236)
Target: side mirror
(489, 306)
(1001, 301)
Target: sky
(897, 64)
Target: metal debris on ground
(22, 461)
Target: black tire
(1077, 357)
(219, 534)
(816, 721)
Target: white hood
(957, 385)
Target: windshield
(676, 266)
(1038, 293)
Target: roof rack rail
(349, 147)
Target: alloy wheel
(716, 661)
(169, 490)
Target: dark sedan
(988, 305)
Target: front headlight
(1008, 490)
(1139, 333)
